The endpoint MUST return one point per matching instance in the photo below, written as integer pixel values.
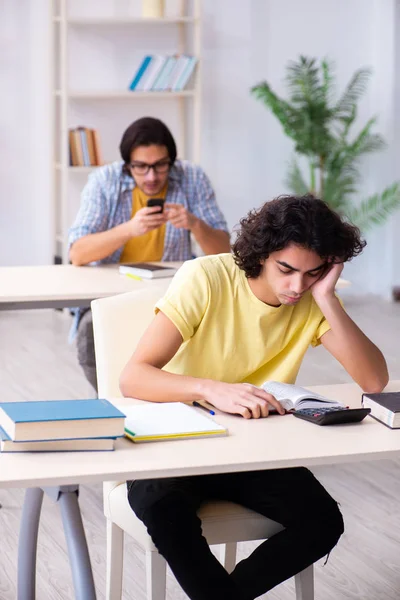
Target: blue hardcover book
(61, 419)
(139, 72)
(77, 445)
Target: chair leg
(227, 556)
(304, 583)
(156, 576)
(115, 557)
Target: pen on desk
(133, 276)
(210, 412)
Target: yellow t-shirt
(228, 333)
(150, 246)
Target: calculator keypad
(316, 412)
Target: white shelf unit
(68, 96)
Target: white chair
(119, 322)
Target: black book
(147, 270)
(385, 407)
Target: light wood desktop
(251, 444)
(63, 286)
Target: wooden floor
(36, 362)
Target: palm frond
(279, 107)
(367, 142)
(328, 81)
(303, 81)
(376, 209)
(294, 179)
(353, 92)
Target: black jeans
(292, 497)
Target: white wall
(250, 152)
(25, 174)
(243, 148)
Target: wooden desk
(270, 443)
(63, 286)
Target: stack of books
(84, 148)
(163, 73)
(59, 425)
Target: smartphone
(156, 202)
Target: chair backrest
(118, 324)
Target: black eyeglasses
(162, 166)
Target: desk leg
(27, 545)
(77, 546)
(78, 553)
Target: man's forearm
(97, 246)
(211, 241)
(146, 382)
(363, 361)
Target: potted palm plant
(321, 129)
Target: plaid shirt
(107, 202)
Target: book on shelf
(97, 148)
(385, 407)
(147, 270)
(141, 69)
(162, 83)
(295, 397)
(168, 421)
(84, 147)
(163, 73)
(187, 73)
(151, 73)
(60, 420)
(73, 445)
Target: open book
(294, 397)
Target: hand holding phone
(156, 202)
(146, 219)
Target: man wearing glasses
(115, 224)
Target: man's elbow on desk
(375, 385)
(126, 383)
(76, 257)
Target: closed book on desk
(147, 270)
(168, 421)
(77, 445)
(385, 407)
(60, 420)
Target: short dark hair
(145, 132)
(302, 220)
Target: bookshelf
(96, 49)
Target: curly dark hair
(303, 220)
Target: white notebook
(168, 421)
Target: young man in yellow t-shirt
(228, 321)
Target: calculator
(332, 416)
